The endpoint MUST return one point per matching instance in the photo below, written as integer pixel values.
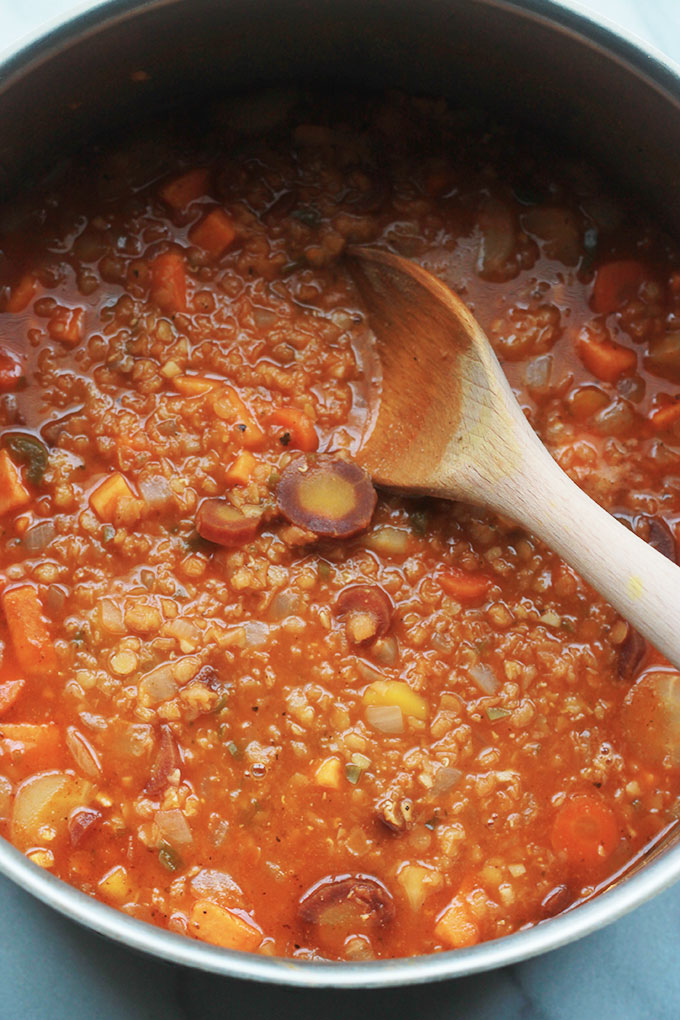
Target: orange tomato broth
(204, 733)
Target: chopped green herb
(497, 713)
(195, 543)
(323, 570)
(233, 749)
(169, 857)
(353, 772)
(308, 215)
(419, 520)
(274, 478)
(28, 450)
(108, 533)
(482, 646)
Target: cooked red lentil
(240, 700)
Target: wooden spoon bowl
(449, 426)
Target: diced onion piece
(327, 496)
(159, 684)
(388, 541)
(386, 718)
(174, 827)
(219, 522)
(485, 678)
(39, 537)
(651, 717)
(418, 882)
(214, 884)
(46, 799)
(367, 611)
(396, 692)
(84, 755)
(445, 780)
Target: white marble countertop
(52, 969)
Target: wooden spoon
(448, 425)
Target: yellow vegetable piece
(396, 692)
(43, 858)
(222, 927)
(106, 497)
(115, 884)
(329, 773)
(388, 541)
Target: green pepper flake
(497, 713)
(108, 533)
(323, 570)
(28, 450)
(482, 646)
(169, 858)
(274, 478)
(233, 749)
(353, 772)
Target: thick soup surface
(238, 701)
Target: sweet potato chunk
(330, 497)
(29, 630)
(367, 611)
(220, 522)
(13, 493)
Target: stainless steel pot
(615, 103)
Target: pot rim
(656, 70)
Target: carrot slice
(169, 282)
(295, 429)
(606, 359)
(616, 283)
(214, 234)
(585, 830)
(465, 587)
(13, 493)
(9, 693)
(182, 191)
(29, 630)
(662, 418)
(223, 927)
(22, 294)
(457, 926)
(106, 497)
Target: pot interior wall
(129, 62)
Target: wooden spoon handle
(641, 583)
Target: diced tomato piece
(169, 282)
(295, 429)
(182, 191)
(464, 586)
(616, 283)
(585, 830)
(29, 630)
(606, 359)
(11, 371)
(665, 416)
(214, 234)
(22, 293)
(67, 325)
(9, 693)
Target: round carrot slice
(220, 522)
(367, 610)
(328, 496)
(585, 830)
